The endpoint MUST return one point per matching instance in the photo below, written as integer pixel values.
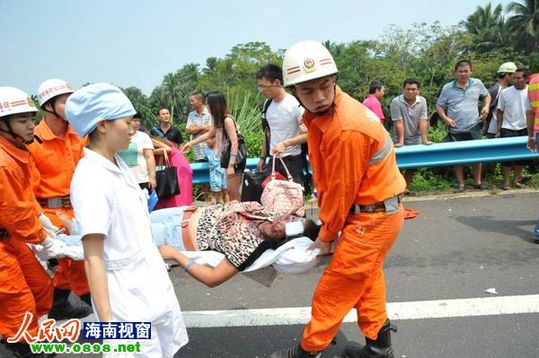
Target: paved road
(456, 249)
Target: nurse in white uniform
(127, 276)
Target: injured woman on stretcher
(216, 242)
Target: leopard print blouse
(232, 229)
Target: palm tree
(525, 24)
(487, 26)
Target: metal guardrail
(428, 156)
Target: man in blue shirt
(460, 98)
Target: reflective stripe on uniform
(378, 156)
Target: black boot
(63, 309)
(380, 348)
(295, 352)
(22, 350)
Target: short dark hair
(270, 72)
(137, 115)
(410, 81)
(374, 86)
(160, 109)
(461, 63)
(198, 95)
(525, 71)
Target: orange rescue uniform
(533, 93)
(25, 286)
(56, 158)
(353, 162)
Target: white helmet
(51, 88)
(305, 61)
(14, 101)
(507, 67)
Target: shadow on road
(495, 225)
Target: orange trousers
(25, 286)
(354, 279)
(69, 274)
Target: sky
(137, 42)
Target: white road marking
(467, 307)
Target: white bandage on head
(294, 228)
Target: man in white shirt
(284, 131)
(513, 107)
(199, 122)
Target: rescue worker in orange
(56, 151)
(532, 120)
(25, 286)
(359, 194)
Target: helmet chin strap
(17, 138)
(52, 101)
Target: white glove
(50, 248)
(48, 225)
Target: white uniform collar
(122, 170)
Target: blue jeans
(166, 227)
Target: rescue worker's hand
(50, 248)
(261, 166)
(48, 225)
(280, 148)
(324, 246)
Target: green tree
(488, 28)
(524, 22)
(141, 103)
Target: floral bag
(283, 196)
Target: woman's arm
(95, 272)
(230, 129)
(201, 138)
(160, 147)
(210, 276)
(150, 163)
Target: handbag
(241, 155)
(167, 180)
(283, 196)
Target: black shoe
(295, 352)
(410, 193)
(63, 309)
(379, 348)
(458, 189)
(481, 186)
(524, 180)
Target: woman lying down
(241, 231)
(231, 238)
